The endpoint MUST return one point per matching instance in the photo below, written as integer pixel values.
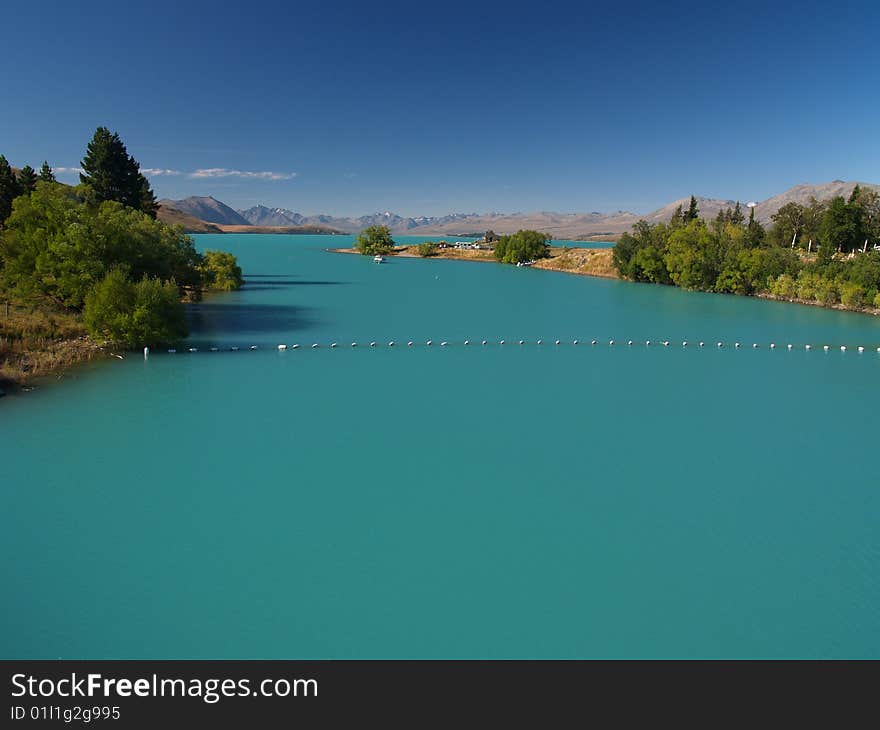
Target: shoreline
(581, 261)
(595, 262)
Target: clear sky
(429, 108)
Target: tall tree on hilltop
(27, 179)
(692, 212)
(9, 188)
(113, 174)
(46, 174)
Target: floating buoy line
(720, 345)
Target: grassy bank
(38, 341)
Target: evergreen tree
(27, 180)
(9, 188)
(46, 174)
(737, 216)
(692, 212)
(113, 174)
(677, 218)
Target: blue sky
(428, 108)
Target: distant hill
(190, 224)
(802, 194)
(594, 225)
(207, 209)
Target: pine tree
(113, 174)
(46, 174)
(677, 217)
(9, 188)
(27, 180)
(737, 216)
(692, 212)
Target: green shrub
(148, 312)
(784, 286)
(428, 248)
(220, 271)
(852, 295)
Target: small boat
(378, 259)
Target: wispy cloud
(207, 172)
(249, 174)
(154, 171)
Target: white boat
(378, 259)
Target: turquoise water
(450, 502)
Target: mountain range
(570, 226)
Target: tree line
(821, 252)
(98, 249)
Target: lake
(450, 502)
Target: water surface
(450, 502)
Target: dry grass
(36, 341)
(583, 261)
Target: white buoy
(295, 346)
(736, 345)
(629, 343)
(808, 347)
(444, 343)
(826, 348)
(171, 351)
(354, 344)
(314, 345)
(611, 342)
(878, 349)
(193, 349)
(861, 349)
(234, 348)
(253, 347)
(574, 342)
(521, 342)
(501, 342)
(467, 342)
(372, 344)
(409, 344)
(593, 342)
(684, 344)
(665, 343)
(754, 345)
(332, 344)
(720, 344)
(843, 348)
(484, 342)
(213, 349)
(789, 347)
(146, 352)
(540, 342)
(282, 347)
(772, 345)
(647, 343)
(702, 343)
(429, 343)
(557, 342)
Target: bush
(220, 271)
(852, 295)
(522, 246)
(827, 292)
(428, 248)
(877, 300)
(784, 286)
(375, 240)
(148, 312)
